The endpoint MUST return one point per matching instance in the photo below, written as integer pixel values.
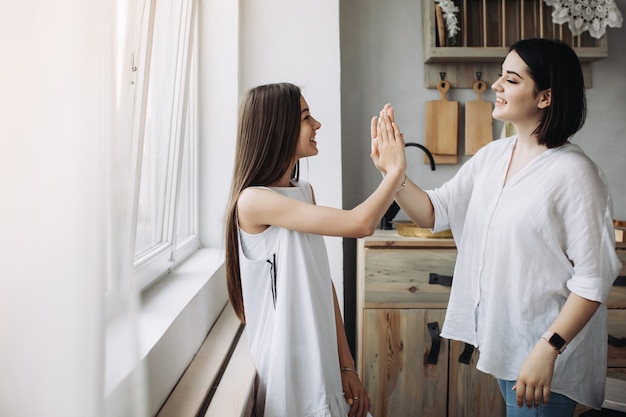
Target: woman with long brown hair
(277, 267)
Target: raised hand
(387, 142)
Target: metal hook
(479, 74)
(442, 75)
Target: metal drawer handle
(433, 355)
(615, 341)
(466, 356)
(445, 280)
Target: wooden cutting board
(441, 125)
(478, 121)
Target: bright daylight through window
(165, 192)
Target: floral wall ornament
(449, 10)
(582, 15)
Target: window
(164, 216)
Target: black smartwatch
(557, 342)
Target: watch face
(557, 341)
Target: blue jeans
(558, 406)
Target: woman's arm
(535, 377)
(416, 204)
(259, 208)
(352, 386)
(585, 207)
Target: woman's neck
(526, 137)
(285, 181)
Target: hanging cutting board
(441, 126)
(478, 121)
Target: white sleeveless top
(287, 294)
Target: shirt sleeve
(589, 234)
(451, 199)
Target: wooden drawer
(399, 278)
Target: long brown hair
(267, 133)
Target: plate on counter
(408, 228)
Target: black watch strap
(557, 342)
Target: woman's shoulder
(252, 198)
(577, 167)
(299, 190)
(253, 192)
(574, 159)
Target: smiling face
(517, 99)
(307, 146)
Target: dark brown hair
(553, 64)
(267, 133)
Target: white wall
(280, 41)
(219, 102)
(604, 133)
(53, 127)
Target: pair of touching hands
(387, 142)
(388, 156)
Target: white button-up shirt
(522, 248)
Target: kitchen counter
(396, 308)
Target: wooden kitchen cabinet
(396, 375)
(616, 303)
(405, 370)
(615, 394)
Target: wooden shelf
(487, 29)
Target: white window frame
(161, 259)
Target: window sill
(221, 379)
(147, 352)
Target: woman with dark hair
(532, 219)
(277, 268)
